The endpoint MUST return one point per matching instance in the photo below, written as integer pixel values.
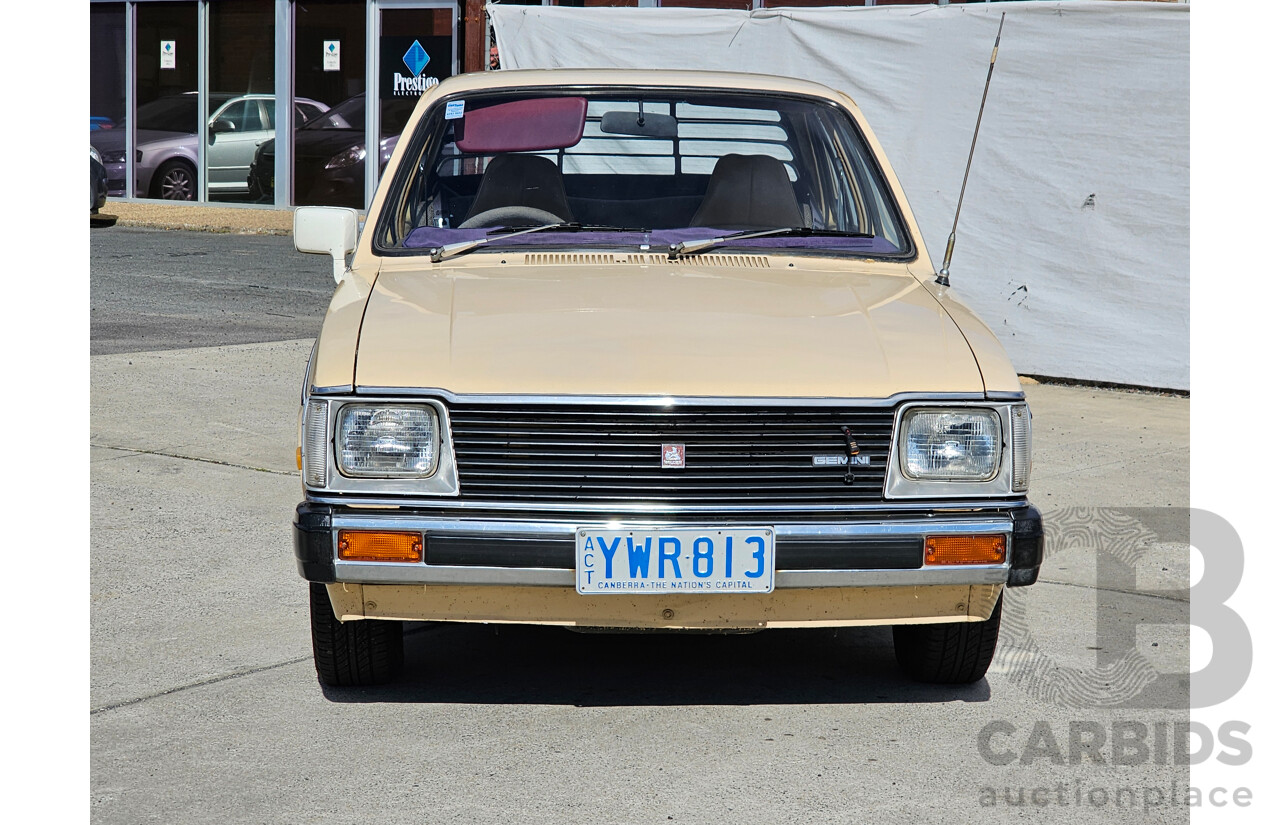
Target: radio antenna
(944, 274)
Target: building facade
(160, 68)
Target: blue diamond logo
(416, 58)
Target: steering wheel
(511, 216)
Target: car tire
(951, 653)
(175, 180)
(353, 653)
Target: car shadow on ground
(513, 664)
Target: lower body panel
(784, 607)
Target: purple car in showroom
(167, 141)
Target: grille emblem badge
(850, 444)
(841, 461)
(673, 455)
(852, 458)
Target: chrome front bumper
(479, 551)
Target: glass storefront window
(146, 92)
(165, 135)
(329, 69)
(416, 50)
(107, 122)
(241, 94)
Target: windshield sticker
(453, 109)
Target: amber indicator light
(379, 545)
(964, 550)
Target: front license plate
(682, 560)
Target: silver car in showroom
(167, 142)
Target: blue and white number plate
(675, 560)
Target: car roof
(734, 81)
(259, 96)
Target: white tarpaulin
(1074, 240)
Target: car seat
(518, 180)
(748, 192)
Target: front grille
(590, 454)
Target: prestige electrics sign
(409, 66)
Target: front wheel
(360, 652)
(951, 653)
(175, 181)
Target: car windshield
(170, 114)
(349, 114)
(176, 113)
(630, 169)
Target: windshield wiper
(573, 226)
(451, 250)
(686, 248)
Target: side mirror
(219, 126)
(326, 230)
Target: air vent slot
(740, 261)
(569, 259)
(604, 259)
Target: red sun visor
(532, 125)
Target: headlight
(113, 157)
(93, 153)
(960, 451)
(387, 441)
(349, 157)
(951, 445)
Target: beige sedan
(652, 350)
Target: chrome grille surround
(759, 454)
